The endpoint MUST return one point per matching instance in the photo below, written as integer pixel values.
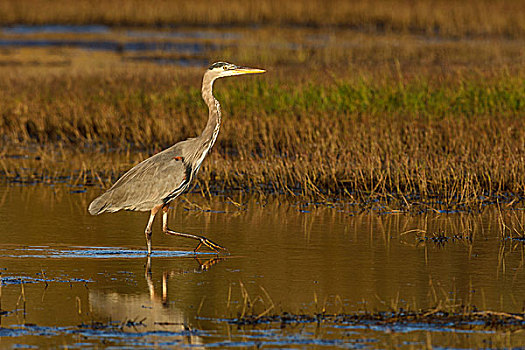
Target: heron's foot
(203, 241)
(212, 245)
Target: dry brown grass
(437, 17)
(452, 142)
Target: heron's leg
(149, 279)
(148, 230)
(202, 240)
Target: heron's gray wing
(145, 185)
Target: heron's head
(224, 69)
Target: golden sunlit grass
(457, 140)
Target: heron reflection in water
(155, 304)
(152, 184)
(203, 266)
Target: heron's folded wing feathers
(143, 186)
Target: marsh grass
(455, 142)
(441, 17)
(324, 52)
(511, 224)
(415, 109)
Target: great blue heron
(152, 184)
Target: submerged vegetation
(459, 318)
(450, 313)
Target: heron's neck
(210, 132)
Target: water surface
(22, 29)
(72, 279)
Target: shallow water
(102, 29)
(110, 45)
(72, 279)
(56, 29)
(191, 44)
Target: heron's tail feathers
(100, 205)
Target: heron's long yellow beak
(246, 70)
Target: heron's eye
(224, 67)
